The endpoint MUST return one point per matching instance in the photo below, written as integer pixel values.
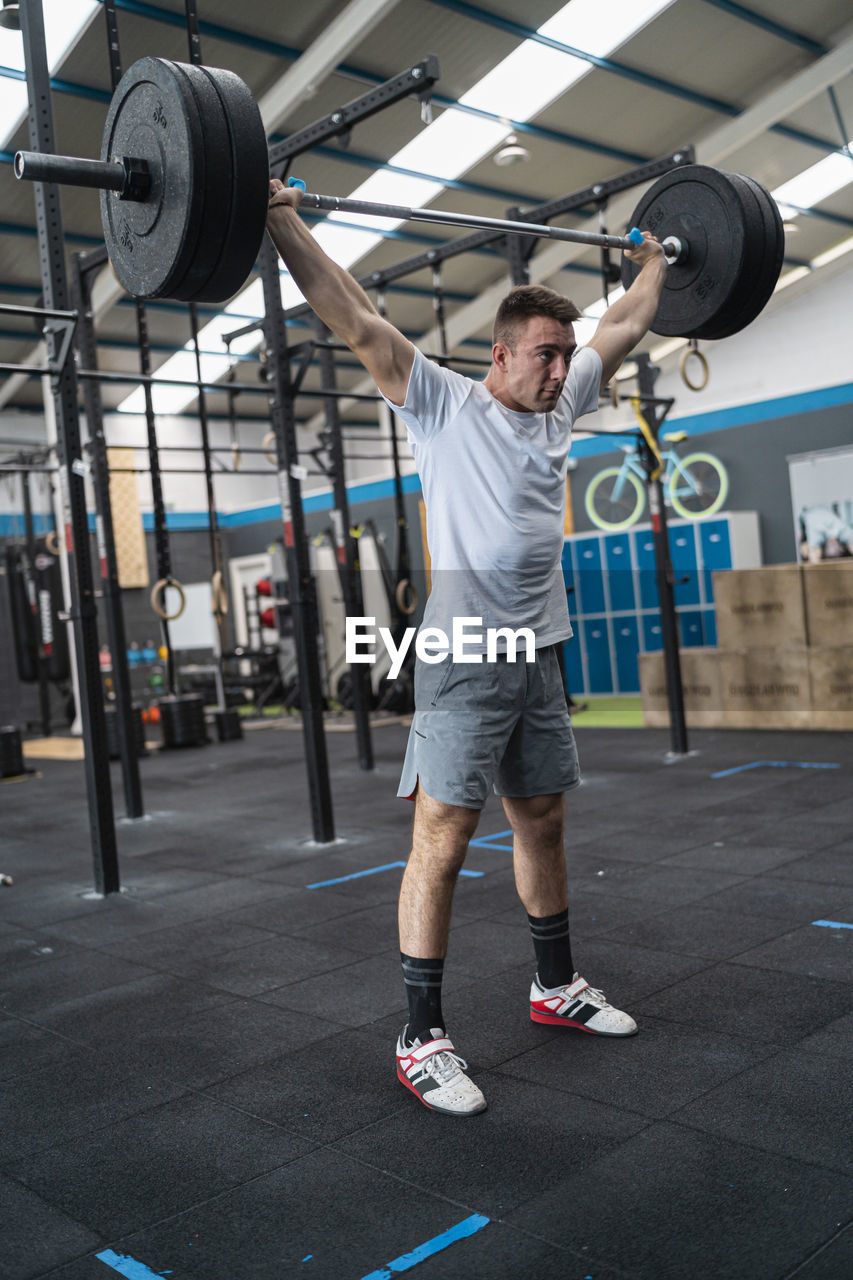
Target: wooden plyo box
(831, 672)
(700, 679)
(828, 590)
(765, 688)
(760, 608)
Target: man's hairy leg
(439, 843)
(539, 861)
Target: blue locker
(716, 546)
(574, 665)
(682, 550)
(652, 633)
(626, 643)
(644, 552)
(598, 671)
(709, 627)
(691, 628)
(620, 579)
(589, 576)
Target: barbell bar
(184, 181)
(341, 204)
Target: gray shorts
(501, 725)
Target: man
(492, 459)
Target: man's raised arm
(337, 298)
(627, 321)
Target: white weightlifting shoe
(578, 1005)
(435, 1073)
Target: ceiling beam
(712, 149)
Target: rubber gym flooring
(198, 1073)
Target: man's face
(533, 375)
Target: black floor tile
(82, 1091)
(155, 1164)
(339, 1217)
(833, 1261)
(654, 1073)
(323, 1091)
(500, 1159)
(751, 1213)
(752, 1003)
(36, 1235)
(699, 930)
(816, 951)
(783, 1105)
(368, 988)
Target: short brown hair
(528, 300)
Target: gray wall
(756, 458)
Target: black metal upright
(303, 590)
(72, 468)
(110, 589)
(35, 603)
(350, 574)
(654, 413)
(214, 538)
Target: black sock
(553, 948)
(423, 989)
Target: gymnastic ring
(614, 392)
(703, 365)
(51, 543)
(158, 592)
(406, 597)
(219, 594)
(266, 443)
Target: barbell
(183, 177)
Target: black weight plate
(153, 117)
(765, 270)
(703, 207)
(726, 321)
(215, 179)
(249, 189)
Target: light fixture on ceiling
(512, 152)
(10, 15)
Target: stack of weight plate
(736, 243)
(196, 236)
(182, 720)
(11, 753)
(136, 726)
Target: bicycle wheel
(614, 499)
(698, 486)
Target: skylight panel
(64, 23)
(598, 28)
(814, 184)
(525, 82)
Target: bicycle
(695, 486)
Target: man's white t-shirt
(494, 486)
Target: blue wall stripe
(741, 415)
(467, 1227)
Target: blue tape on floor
(356, 875)
(468, 1227)
(371, 871)
(127, 1266)
(773, 764)
(489, 842)
(833, 924)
